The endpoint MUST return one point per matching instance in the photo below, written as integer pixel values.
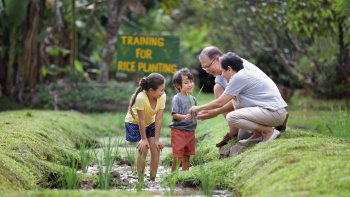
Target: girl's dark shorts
(133, 132)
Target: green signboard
(147, 54)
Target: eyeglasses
(206, 68)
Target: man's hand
(143, 143)
(193, 109)
(206, 114)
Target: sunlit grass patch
(35, 143)
(295, 167)
(332, 123)
(304, 103)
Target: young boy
(183, 125)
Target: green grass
(329, 117)
(298, 164)
(302, 103)
(34, 144)
(332, 123)
(295, 166)
(71, 193)
(109, 154)
(71, 180)
(309, 159)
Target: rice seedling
(70, 177)
(106, 163)
(170, 179)
(189, 96)
(141, 174)
(207, 178)
(131, 153)
(85, 156)
(208, 181)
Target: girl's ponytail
(142, 86)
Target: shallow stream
(128, 179)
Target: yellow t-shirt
(142, 103)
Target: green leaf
(43, 71)
(199, 92)
(78, 66)
(16, 11)
(56, 50)
(97, 57)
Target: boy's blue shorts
(133, 132)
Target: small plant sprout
(106, 163)
(141, 174)
(85, 155)
(131, 153)
(189, 98)
(169, 181)
(71, 179)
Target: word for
(147, 68)
(144, 53)
(142, 40)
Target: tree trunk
(116, 10)
(74, 52)
(14, 14)
(29, 63)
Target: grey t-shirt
(255, 90)
(247, 65)
(181, 105)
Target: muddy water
(128, 179)
(155, 188)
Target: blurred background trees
(298, 44)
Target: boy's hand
(188, 116)
(143, 143)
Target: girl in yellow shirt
(143, 121)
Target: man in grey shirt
(209, 58)
(262, 106)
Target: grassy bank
(309, 159)
(298, 164)
(36, 144)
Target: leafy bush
(87, 97)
